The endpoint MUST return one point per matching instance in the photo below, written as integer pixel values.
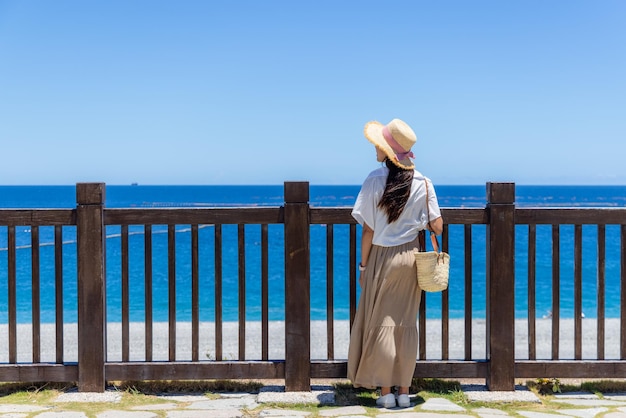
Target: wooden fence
(498, 364)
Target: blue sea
(139, 196)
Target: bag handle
(433, 237)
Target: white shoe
(404, 401)
(387, 401)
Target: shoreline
(276, 340)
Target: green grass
(551, 386)
(188, 386)
(438, 386)
(603, 386)
(10, 388)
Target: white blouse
(413, 218)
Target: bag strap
(433, 237)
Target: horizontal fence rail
(220, 262)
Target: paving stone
(422, 415)
(589, 402)
(126, 414)
(395, 410)
(440, 404)
(583, 413)
(534, 414)
(499, 415)
(236, 395)
(283, 413)
(226, 413)
(615, 415)
(62, 414)
(576, 395)
(14, 415)
(13, 408)
(345, 410)
(155, 407)
(489, 412)
(182, 398)
(353, 416)
(228, 403)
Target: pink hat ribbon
(401, 154)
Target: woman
(391, 207)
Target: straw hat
(395, 139)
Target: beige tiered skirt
(383, 340)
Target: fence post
(297, 288)
(501, 286)
(91, 286)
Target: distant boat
(134, 184)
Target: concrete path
(274, 402)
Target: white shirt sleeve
(433, 203)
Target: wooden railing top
(37, 217)
(573, 216)
(169, 216)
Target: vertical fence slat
(242, 290)
(445, 307)
(195, 295)
(578, 286)
(36, 293)
(148, 289)
(601, 285)
(125, 297)
(171, 292)
(421, 334)
(90, 232)
(532, 292)
(218, 292)
(468, 291)
(556, 289)
(12, 296)
(352, 273)
(330, 303)
(421, 323)
(623, 291)
(58, 287)
(264, 292)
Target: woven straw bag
(433, 267)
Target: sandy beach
(230, 343)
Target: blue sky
(261, 92)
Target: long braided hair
(397, 191)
